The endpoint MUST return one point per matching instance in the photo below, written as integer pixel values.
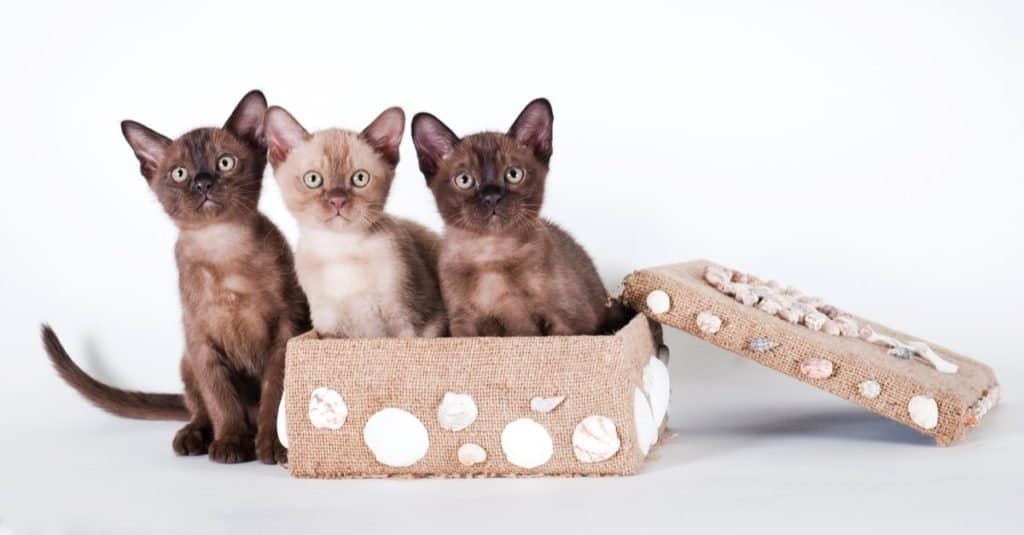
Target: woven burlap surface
(596, 374)
(854, 360)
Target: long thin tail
(124, 403)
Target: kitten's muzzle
(203, 183)
(337, 199)
(490, 196)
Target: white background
(867, 151)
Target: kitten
(505, 271)
(367, 274)
(240, 297)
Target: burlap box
(598, 376)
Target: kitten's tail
(124, 403)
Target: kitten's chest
(215, 263)
(494, 270)
(338, 266)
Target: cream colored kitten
(366, 274)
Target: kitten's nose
(336, 198)
(491, 196)
(202, 183)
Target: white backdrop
(867, 151)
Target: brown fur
(240, 298)
(366, 273)
(504, 270)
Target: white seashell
(526, 443)
(646, 430)
(831, 327)
(770, 305)
(282, 421)
(744, 295)
(926, 352)
(870, 389)
(848, 326)
(396, 437)
(657, 386)
(456, 411)
(470, 454)
(923, 411)
(708, 323)
(658, 302)
(664, 354)
(761, 345)
(545, 404)
(901, 352)
(815, 320)
(327, 409)
(791, 314)
(816, 368)
(595, 439)
(717, 276)
(740, 277)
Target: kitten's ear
(246, 122)
(533, 128)
(148, 145)
(385, 133)
(433, 142)
(284, 133)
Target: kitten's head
(487, 182)
(335, 179)
(207, 174)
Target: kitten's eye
(313, 180)
(514, 175)
(463, 181)
(179, 174)
(226, 162)
(360, 178)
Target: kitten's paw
(269, 449)
(232, 449)
(192, 440)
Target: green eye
(360, 178)
(179, 174)
(226, 162)
(463, 181)
(515, 175)
(313, 180)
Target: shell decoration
(595, 439)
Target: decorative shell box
(596, 405)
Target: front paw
(192, 439)
(269, 449)
(232, 449)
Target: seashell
(866, 332)
(848, 326)
(761, 345)
(746, 297)
(791, 314)
(831, 327)
(470, 454)
(708, 323)
(646, 430)
(657, 386)
(830, 311)
(595, 439)
(396, 437)
(739, 276)
(902, 352)
(813, 302)
(926, 352)
(664, 354)
(869, 389)
(770, 305)
(717, 276)
(282, 421)
(526, 443)
(658, 302)
(545, 404)
(815, 320)
(327, 409)
(923, 411)
(456, 411)
(816, 368)
(762, 291)
(775, 285)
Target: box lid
(915, 382)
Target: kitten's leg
(194, 438)
(434, 328)
(554, 325)
(462, 324)
(269, 449)
(232, 438)
(519, 324)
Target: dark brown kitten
(240, 297)
(504, 270)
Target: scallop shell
(870, 389)
(282, 421)
(470, 454)
(327, 409)
(815, 320)
(848, 326)
(595, 439)
(761, 345)
(646, 431)
(545, 404)
(708, 323)
(923, 411)
(816, 368)
(658, 302)
(456, 411)
(791, 314)
(831, 327)
(657, 386)
(526, 443)
(770, 305)
(396, 437)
